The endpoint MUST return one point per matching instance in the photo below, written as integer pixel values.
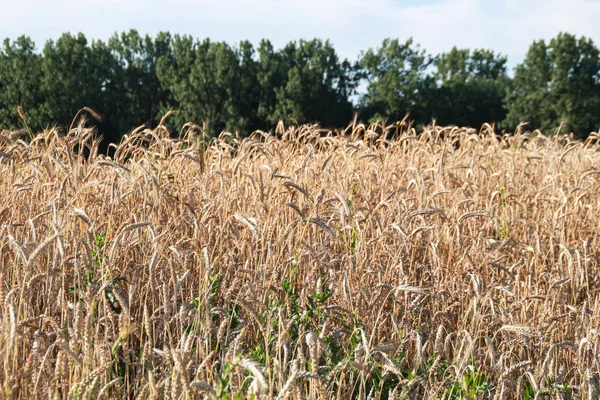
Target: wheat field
(377, 262)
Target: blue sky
(506, 26)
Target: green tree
(398, 82)
(317, 86)
(20, 79)
(205, 84)
(272, 72)
(557, 83)
(471, 88)
(135, 92)
(75, 75)
(247, 90)
(460, 65)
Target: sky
(505, 26)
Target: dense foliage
(132, 80)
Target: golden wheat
(280, 265)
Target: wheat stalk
(190, 287)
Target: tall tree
(317, 86)
(74, 76)
(20, 80)
(397, 79)
(557, 83)
(202, 80)
(272, 72)
(135, 87)
(247, 91)
(471, 87)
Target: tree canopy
(471, 86)
(398, 82)
(132, 80)
(558, 82)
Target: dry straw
(192, 269)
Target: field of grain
(378, 262)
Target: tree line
(132, 80)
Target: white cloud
(507, 26)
